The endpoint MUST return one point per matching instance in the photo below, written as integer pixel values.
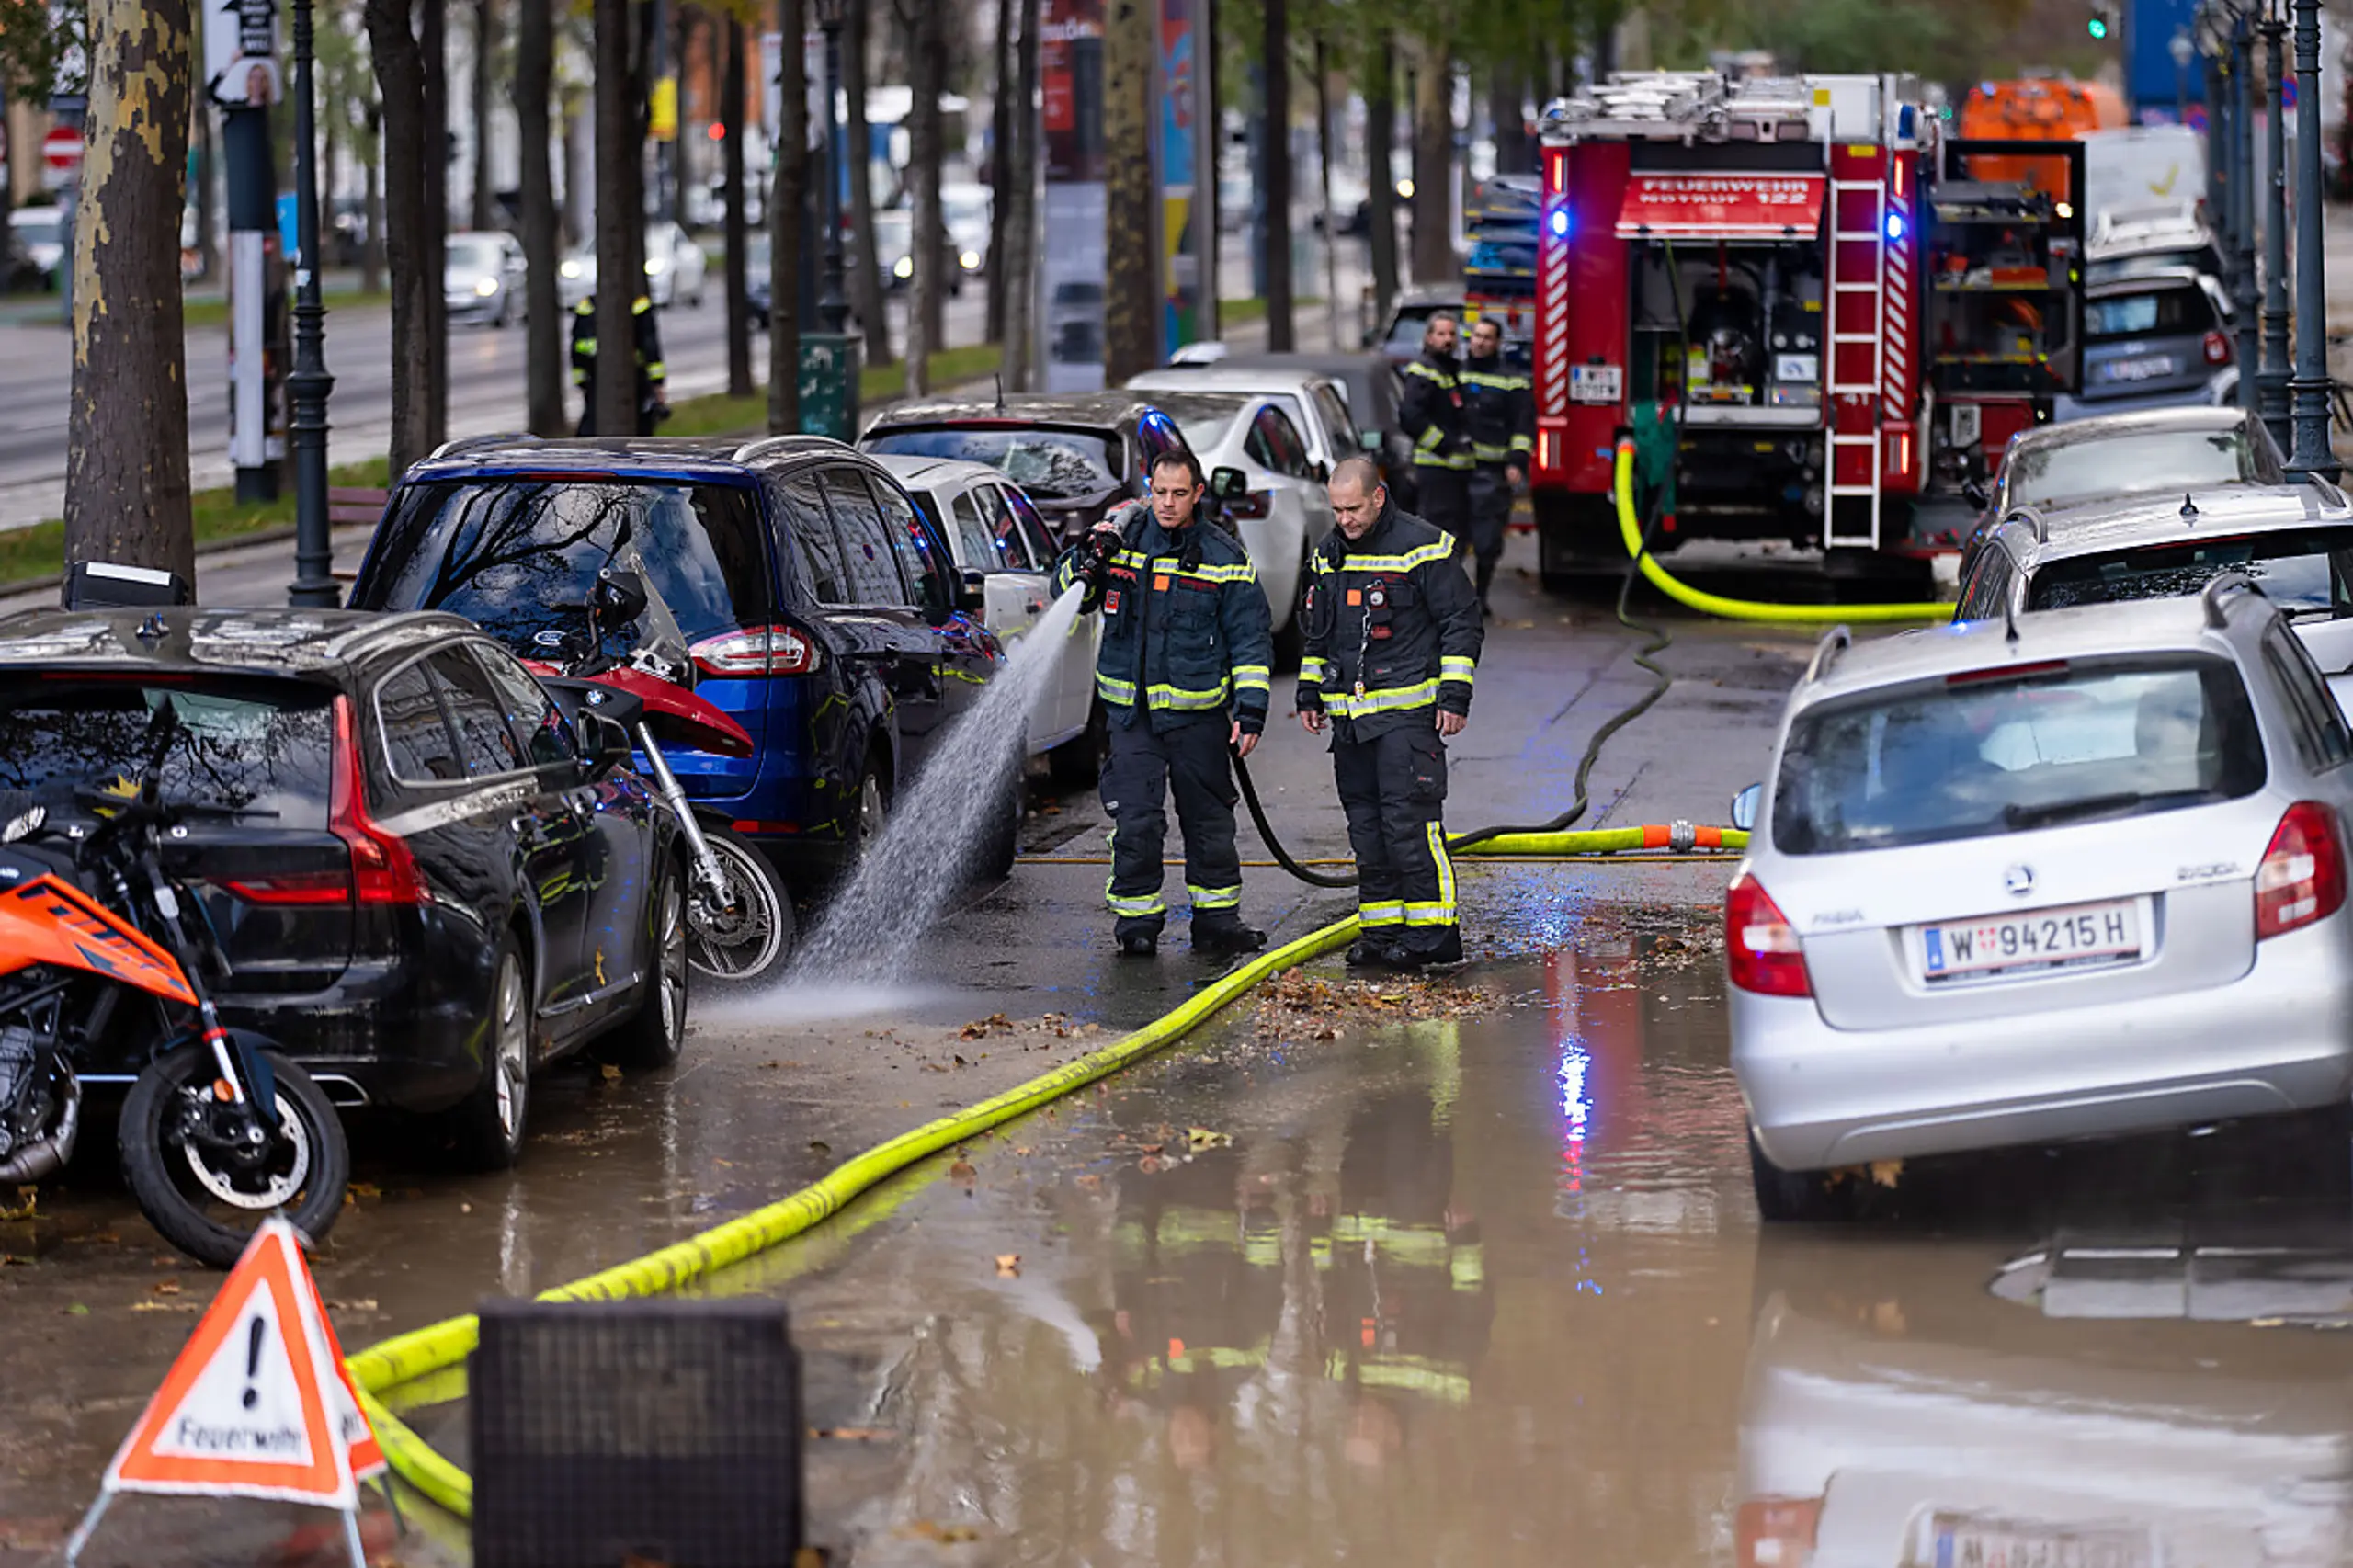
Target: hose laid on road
(1745, 609)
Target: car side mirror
(604, 746)
(1229, 483)
(971, 589)
(1745, 805)
(1973, 490)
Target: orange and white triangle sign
(259, 1404)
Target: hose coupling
(1681, 836)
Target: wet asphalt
(1469, 1276)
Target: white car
(966, 210)
(481, 277)
(996, 532)
(676, 268)
(40, 237)
(1284, 512)
(1316, 405)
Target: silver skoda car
(2079, 875)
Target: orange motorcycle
(102, 971)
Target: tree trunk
(372, 248)
(543, 324)
(926, 67)
(614, 394)
(1379, 90)
(788, 224)
(576, 173)
(1433, 166)
(484, 213)
(432, 44)
(1019, 217)
(1131, 300)
(865, 270)
(1282, 334)
(126, 464)
(414, 265)
(1000, 167)
(1332, 219)
(739, 309)
(328, 140)
(1513, 154)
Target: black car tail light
(383, 872)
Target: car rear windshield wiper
(2015, 816)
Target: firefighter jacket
(1499, 409)
(1433, 412)
(1187, 635)
(1392, 628)
(650, 367)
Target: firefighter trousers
(1393, 788)
(1444, 496)
(1143, 769)
(1490, 515)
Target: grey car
(2154, 340)
(2077, 877)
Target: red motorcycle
(739, 922)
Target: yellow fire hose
(1682, 593)
(424, 1352)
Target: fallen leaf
(612, 1074)
(1090, 1181)
(854, 1433)
(1025, 1151)
(1008, 1263)
(948, 1533)
(28, 1200)
(1887, 1173)
(165, 1287)
(1202, 1138)
(356, 1305)
(77, 1310)
(963, 1171)
(1149, 1163)
(167, 1306)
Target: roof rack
(2218, 614)
(466, 443)
(771, 445)
(1835, 642)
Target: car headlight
(905, 267)
(971, 260)
(570, 269)
(655, 266)
(485, 287)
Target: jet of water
(938, 826)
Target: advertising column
(1072, 262)
(1186, 236)
(242, 76)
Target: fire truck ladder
(1850, 512)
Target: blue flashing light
(1894, 226)
(1559, 222)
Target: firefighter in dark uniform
(1185, 672)
(652, 396)
(1393, 644)
(1435, 419)
(1501, 409)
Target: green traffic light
(2097, 27)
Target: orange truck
(2035, 108)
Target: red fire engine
(1802, 274)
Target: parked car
(1400, 337)
(995, 532)
(2078, 876)
(438, 882)
(967, 210)
(1283, 512)
(2158, 451)
(1076, 455)
(481, 277)
(1370, 385)
(758, 272)
(2294, 540)
(676, 269)
(40, 233)
(808, 597)
(1313, 402)
(2152, 339)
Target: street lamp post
(2272, 381)
(315, 584)
(833, 310)
(2244, 294)
(2308, 390)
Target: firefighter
(1433, 415)
(1393, 644)
(1185, 671)
(652, 396)
(1500, 412)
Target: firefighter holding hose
(1184, 672)
(1434, 415)
(1393, 644)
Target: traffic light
(2101, 23)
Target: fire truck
(1799, 283)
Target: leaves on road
(28, 1200)
(1299, 1005)
(1008, 1263)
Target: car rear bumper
(406, 1033)
(2206, 394)
(2278, 1039)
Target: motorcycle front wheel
(208, 1201)
(748, 934)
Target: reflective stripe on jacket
(1432, 412)
(1500, 406)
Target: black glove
(1095, 565)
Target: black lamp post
(315, 584)
(2245, 297)
(2272, 381)
(2308, 391)
(833, 310)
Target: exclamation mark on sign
(252, 1362)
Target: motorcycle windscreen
(46, 922)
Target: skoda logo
(2019, 879)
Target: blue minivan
(789, 581)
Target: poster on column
(1181, 273)
(1071, 262)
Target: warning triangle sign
(258, 1404)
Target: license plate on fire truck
(1597, 383)
(2080, 935)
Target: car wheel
(871, 809)
(1796, 1197)
(1077, 763)
(487, 1128)
(992, 861)
(656, 1032)
(1291, 639)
